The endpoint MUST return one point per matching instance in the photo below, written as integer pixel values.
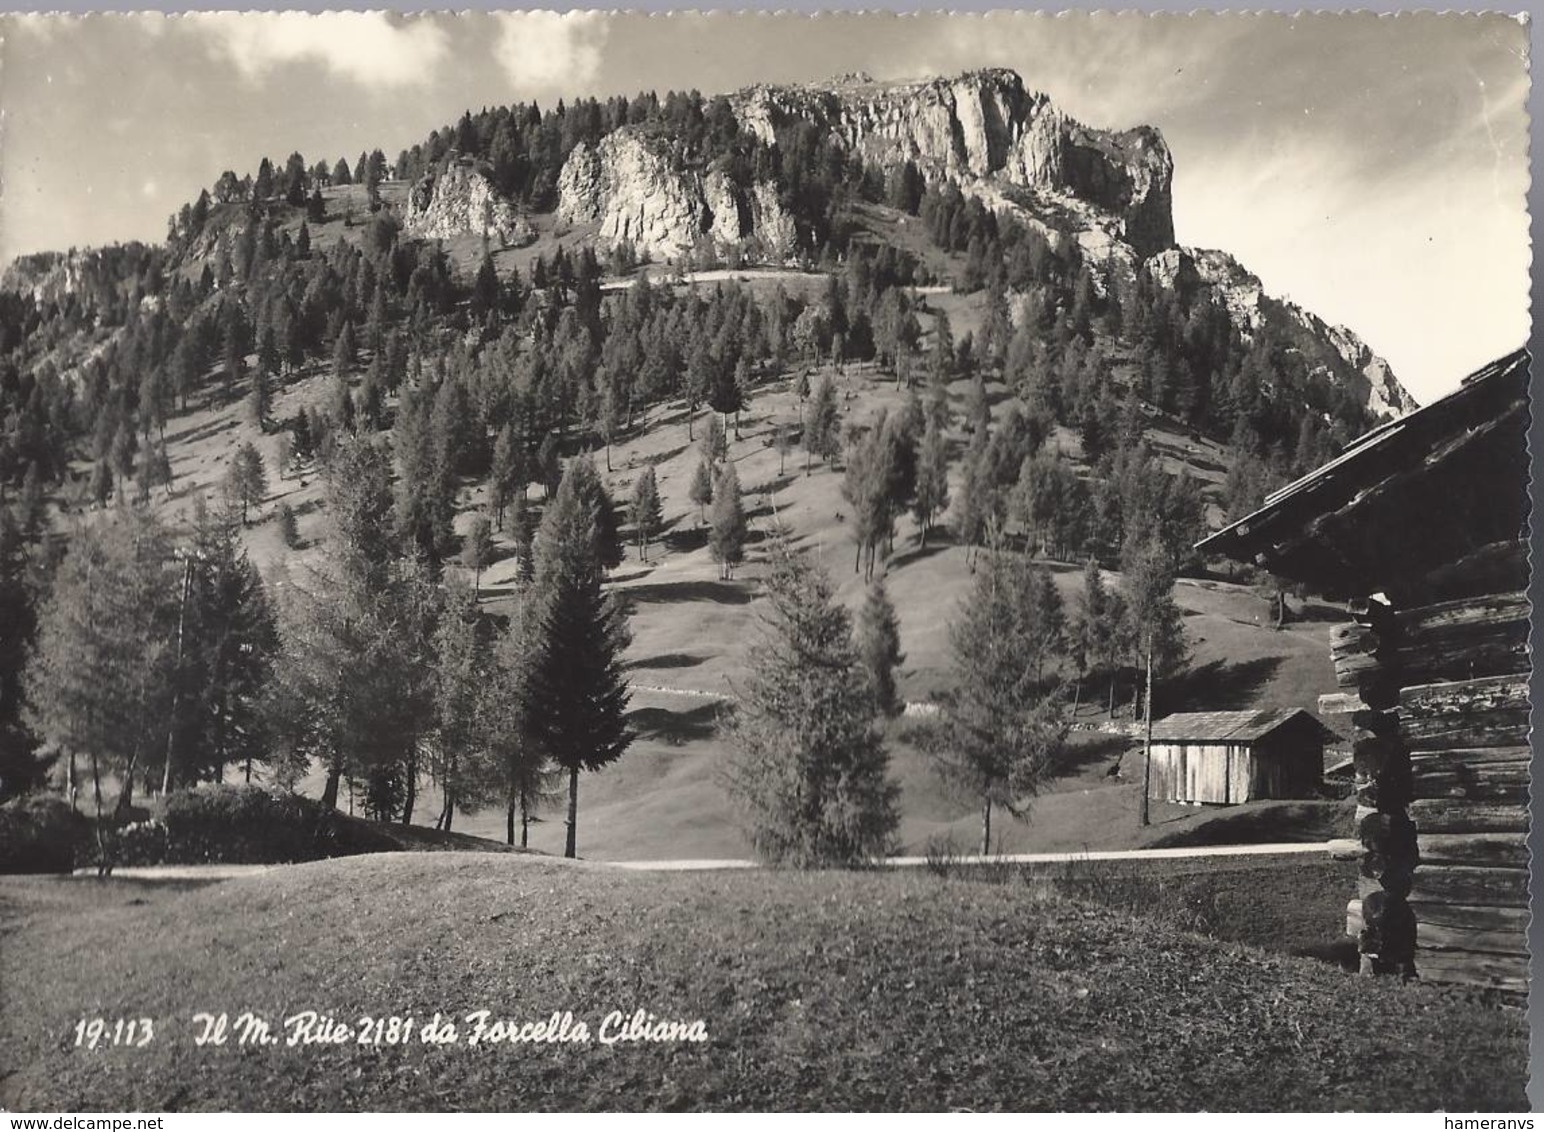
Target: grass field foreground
(883, 990)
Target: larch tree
(477, 550)
(459, 754)
(822, 424)
(530, 778)
(879, 646)
(505, 473)
(225, 646)
(1153, 627)
(602, 508)
(522, 532)
(576, 699)
(645, 510)
(356, 635)
(701, 490)
(932, 494)
(727, 530)
(715, 445)
(1004, 719)
(247, 479)
(98, 680)
(809, 771)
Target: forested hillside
(297, 436)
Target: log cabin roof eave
(1272, 536)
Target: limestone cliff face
(1332, 350)
(983, 131)
(461, 201)
(45, 276)
(633, 190)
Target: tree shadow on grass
(203, 432)
(675, 727)
(1074, 758)
(668, 660)
(721, 593)
(937, 543)
(686, 540)
(1218, 686)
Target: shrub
(40, 833)
(235, 825)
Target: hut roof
(1231, 726)
(1415, 493)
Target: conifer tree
(576, 699)
(354, 669)
(879, 645)
(603, 511)
(548, 465)
(715, 447)
(459, 757)
(808, 770)
(97, 680)
(645, 509)
(1002, 721)
(932, 495)
(701, 490)
(22, 769)
(726, 536)
(522, 531)
(477, 550)
(228, 638)
(530, 778)
(503, 474)
(822, 427)
(1153, 626)
(247, 480)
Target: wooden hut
(1421, 527)
(1227, 757)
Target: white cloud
(550, 49)
(370, 48)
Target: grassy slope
(825, 991)
(692, 632)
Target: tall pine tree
(576, 699)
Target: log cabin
(1227, 757)
(1421, 528)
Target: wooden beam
(1509, 850)
(1473, 968)
(1461, 697)
(1503, 728)
(1452, 815)
(1470, 884)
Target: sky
(1370, 168)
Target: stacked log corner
(1366, 660)
(1445, 787)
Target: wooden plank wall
(1202, 772)
(1461, 668)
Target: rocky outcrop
(981, 131)
(46, 276)
(1331, 350)
(461, 201)
(635, 191)
(1386, 397)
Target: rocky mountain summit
(986, 133)
(982, 132)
